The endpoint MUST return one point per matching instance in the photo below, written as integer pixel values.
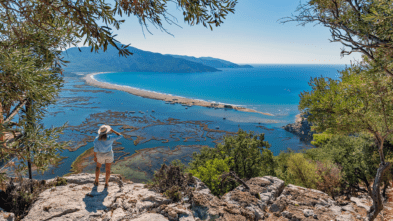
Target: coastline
(90, 80)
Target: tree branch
(15, 111)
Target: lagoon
(268, 88)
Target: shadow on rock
(94, 200)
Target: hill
(212, 62)
(140, 61)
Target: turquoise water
(268, 88)
(273, 89)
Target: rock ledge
(267, 199)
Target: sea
(269, 88)
(273, 89)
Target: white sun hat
(104, 129)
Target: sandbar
(89, 79)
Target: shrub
(301, 171)
(174, 193)
(330, 177)
(60, 181)
(210, 174)
(248, 156)
(282, 165)
(249, 153)
(356, 156)
(172, 181)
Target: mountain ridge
(140, 61)
(83, 60)
(212, 62)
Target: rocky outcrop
(301, 128)
(266, 199)
(4, 216)
(298, 203)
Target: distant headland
(212, 62)
(165, 97)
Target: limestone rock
(286, 214)
(267, 199)
(81, 200)
(150, 217)
(298, 203)
(308, 212)
(344, 217)
(4, 216)
(360, 202)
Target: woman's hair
(102, 137)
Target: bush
(60, 181)
(247, 155)
(329, 178)
(172, 181)
(356, 156)
(282, 165)
(302, 172)
(210, 174)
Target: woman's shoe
(95, 183)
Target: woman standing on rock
(103, 153)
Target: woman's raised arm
(115, 132)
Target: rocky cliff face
(301, 128)
(267, 199)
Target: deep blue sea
(271, 89)
(267, 88)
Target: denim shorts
(105, 157)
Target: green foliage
(79, 19)
(281, 161)
(28, 80)
(301, 171)
(343, 163)
(360, 102)
(210, 174)
(178, 163)
(307, 170)
(60, 181)
(173, 193)
(249, 155)
(357, 157)
(320, 139)
(246, 154)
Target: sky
(252, 35)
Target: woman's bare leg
(98, 171)
(108, 172)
